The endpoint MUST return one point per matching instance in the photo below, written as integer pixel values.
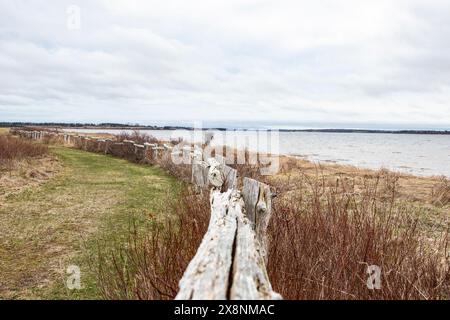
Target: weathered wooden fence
(127, 149)
(230, 262)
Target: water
(410, 153)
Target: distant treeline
(369, 131)
(88, 125)
(60, 124)
(107, 125)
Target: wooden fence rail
(230, 262)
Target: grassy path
(45, 229)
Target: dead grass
(13, 150)
(326, 229)
(410, 187)
(440, 194)
(150, 264)
(329, 223)
(26, 174)
(23, 164)
(45, 228)
(324, 236)
(96, 135)
(424, 196)
(322, 239)
(137, 137)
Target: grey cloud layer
(296, 61)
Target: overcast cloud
(348, 61)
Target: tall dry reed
(323, 238)
(13, 149)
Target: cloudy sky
(366, 63)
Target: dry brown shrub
(136, 136)
(14, 149)
(324, 234)
(440, 194)
(323, 238)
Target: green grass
(45, 229)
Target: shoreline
(422, 132)
(323, 162)
(138, 127)
(413, 188)
(335, 163)
(303, 158)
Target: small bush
(14, 149)
(51, 140)
(137, 137)
(181, 171)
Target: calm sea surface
(410, 153)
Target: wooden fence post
(258, 207)
(229, 263)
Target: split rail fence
(230, 262)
